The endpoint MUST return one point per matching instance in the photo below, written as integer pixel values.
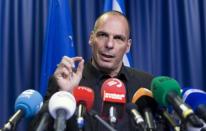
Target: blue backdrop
(168, 38)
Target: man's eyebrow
(116, 36)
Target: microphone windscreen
(113, 93)
(161, 86)
(141, 92)
(30, 101)
(194, 97)
(113, 90)
(84, 95)
(62, 100)
(143, 99)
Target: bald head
(106, 16)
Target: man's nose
(110, 43)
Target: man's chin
(106, 67)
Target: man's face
(110, 42)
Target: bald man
(109, 41)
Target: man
(109, 41)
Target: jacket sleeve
(52, 88)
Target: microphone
(196, 98)
(84, 97)
(147, 105)
(132, 110)
(113, 93)
(62, 105)
(169, 119)
(97, 117)
(27, 104)
(167, 91)
(45, 117)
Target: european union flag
(58, 39)
(118, 5)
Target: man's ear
(91, 38)
(129, 42)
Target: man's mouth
(107, 57)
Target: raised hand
(67, 78)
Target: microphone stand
(11, 124)
(105, 124)
(149, 120)
(112, 116)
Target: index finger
(77, 58)
(72, 59)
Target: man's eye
(102, 35)
(119, 38)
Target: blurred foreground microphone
(170, 120)
(146, 105)
(27, 104)
(196, 98)
(44, 112)
(113, 93)
(132, 109)
(62, 105)
(85, 98)
(167, 91)
(97, 117)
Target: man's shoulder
(138, 77)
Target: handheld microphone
(27, 104)
(196, 98)
(147, 105)
(113, 93)
(167, 91)
(132, 109)
(62, 105)
(85, 98)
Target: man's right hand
(66, 77)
